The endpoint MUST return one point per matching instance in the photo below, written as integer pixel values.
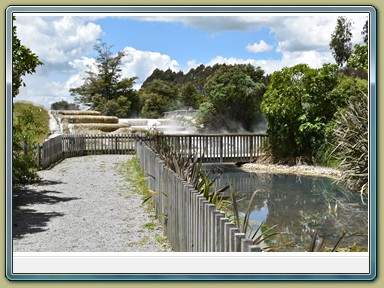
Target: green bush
(30, 127)
(351, 145)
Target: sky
(64, 43)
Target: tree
(359, 54)
(340, 43)
(234, 94)
(105, 90)
(298, 104)
(365, 32)
(359, 57)
(24, 61)
(64, 105)
(157, 97)
(189, 95)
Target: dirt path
(84, 204)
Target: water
(299, 206)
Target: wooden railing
(185, 112)
(190, 222)
(207, 147)
(64, 146)
(78, 145)
(216, 147)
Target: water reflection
(299, 205)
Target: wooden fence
(51, 152)
(216, 147)
(190, 222)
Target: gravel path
(84, 204)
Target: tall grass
(351, 148)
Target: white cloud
(57, 39)
(142, 63)
(191, 64)
(314, 59)
(262, 46)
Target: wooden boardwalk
(210, 148)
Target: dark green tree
(189, 96)
(298, 104)
(359, 57)
(105, 90)
(24, 61)
(157, 97)
(64, 105)
(359, 54)
(347, 88)
(234, 94)
(365, 32)
(340, 43)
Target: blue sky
(177, 42)
(184, 43)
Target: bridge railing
(64, 146)
(217, 147)
(185, 112)
(208, 147)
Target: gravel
(84, 204)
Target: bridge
(209, 148)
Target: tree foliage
(157, 97)
(359, 55)
(189, 96)
(103, 89)
(340, 43)
(24, 61)
(365, 32)
(298, 104)
(64, 105)
(24, 124)
(347, 89)
(30, 127)
(233, 94)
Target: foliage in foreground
(351, 148)
(30, 127)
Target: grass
(160, 239)
(40, 130)
(142, 242)
(132, 172)
(150, 225)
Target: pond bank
(296, 169)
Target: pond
(299, 205)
